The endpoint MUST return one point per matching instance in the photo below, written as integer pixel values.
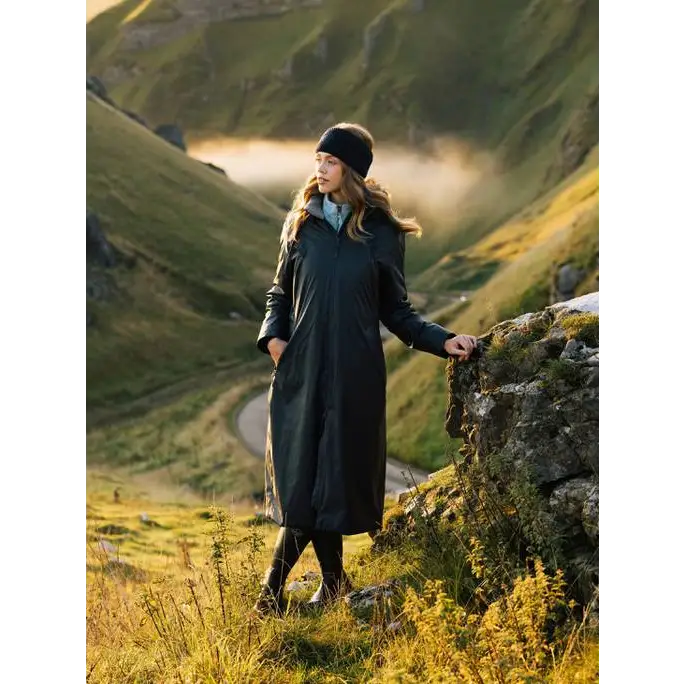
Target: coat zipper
(334, 284)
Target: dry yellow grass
(170, 586)
(535, 227)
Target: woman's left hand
(461, 346)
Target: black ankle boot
(289, 546)
(271, 599)
(335, 582)
(332, 587)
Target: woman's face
(329, 172)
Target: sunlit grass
(170, 587)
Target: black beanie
(348, 147)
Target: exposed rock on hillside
(172, 134)
(581, 135)
(184, 16)
(372, 35)
(100, 257)
(98, 249)
(169, 132)
(95, 86)
(505, 78)
(528, 410)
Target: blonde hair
(359, 192)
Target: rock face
(98, 249)
(372, 35)
(527, 408)
(184, 16)
(172, 134)
(565, 279)
(100, 258)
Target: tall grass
(185, 616)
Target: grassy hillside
(170, 585)
(471, 267)
(560, 228)
(517, 79)
(492, 71)
(187, 443)
(196, 254)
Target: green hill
(491, 70)
(517, 79)
(196, 254)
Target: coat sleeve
(276, 321)
(396, 311)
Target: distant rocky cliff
(182, 16)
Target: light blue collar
(335, 214)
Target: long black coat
(325, 444)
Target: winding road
(251, 425)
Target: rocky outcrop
(581, 135)
(372, 35)
(567, 277)
(566, 280)
(172, 134)
(101, 256)
(321, 49)
(184, 16)
(95, 86)
(136, 117)
(169, 132)
(527, 408)
(98, 249)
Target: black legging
(290, 545)
(328, 547)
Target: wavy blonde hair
(361, 193)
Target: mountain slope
(489, 70)
(517, 79)
(195, 254)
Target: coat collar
(315, 207)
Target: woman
(340, 271)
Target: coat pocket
(288, 373)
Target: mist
(428, 185)
(94, 7)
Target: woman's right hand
(276, 347)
